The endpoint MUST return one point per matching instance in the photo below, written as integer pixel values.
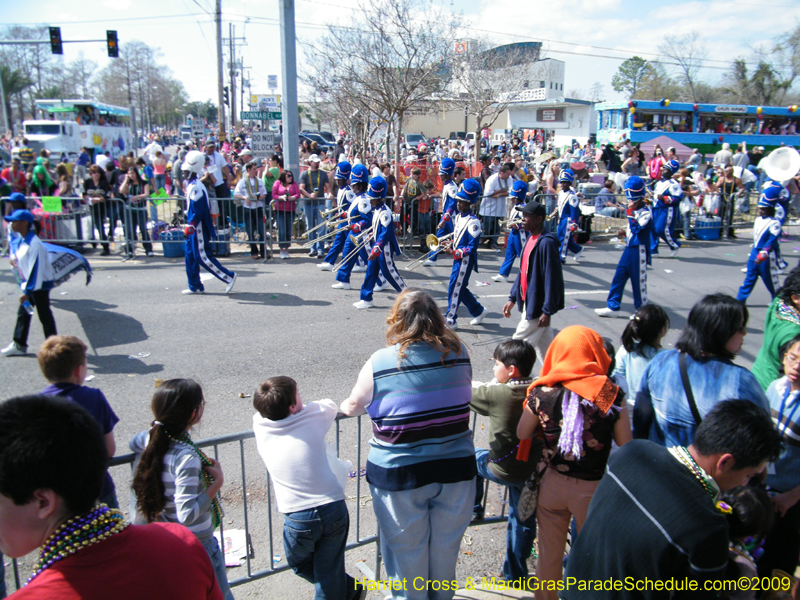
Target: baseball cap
(534, 208)
(20, 215)
(314, 158)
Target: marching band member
(569, 214)
(781, 213)
(668, 195)
(359, 215)
(448, 202)
(344, 199)
(200, 230)
(464, 248)
(763, 260)
(633, 262)
(380, 256)
(516, 235)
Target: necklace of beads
(78, 533)
(216, 507)
(682, 454)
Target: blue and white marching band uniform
(781, 213)
(384, 246)
(668, 196)
(569, 215)
(466, 237)
(763, 260)
(517, 236)
(633, 262)
(200, 231)
(449, 191)
(344, 200)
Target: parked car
(322, 144)
(457, 135)
(413, 140)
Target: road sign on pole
(261, 115)
(262, 143)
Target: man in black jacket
(538, 290)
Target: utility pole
(232, 66)
(3, 101)
(220, 80)
(291, 152)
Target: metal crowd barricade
(242, 447)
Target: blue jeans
(285, 219)
(421, 533)
(218, 562)
(314, 541)
(519, 536)
(311, 210)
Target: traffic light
(111, 44)
(55, 40)
(225, 99)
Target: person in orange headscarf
(578, 411)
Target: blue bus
(702, 126)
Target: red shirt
(17, 182)
(523, 264)
(160, 561)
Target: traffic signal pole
(220, 79)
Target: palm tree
(14, 82)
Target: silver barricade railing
(236, 446)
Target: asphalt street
(283, 318)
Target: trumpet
(436, 245)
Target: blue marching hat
(470, 191)
(566, 175)
(359, 174)
(342, 170)
(770, 196)
(674, 166)
(634, 188)
(377, 187)
(447, 167)
(519, 190)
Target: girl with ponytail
(174, 480)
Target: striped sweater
(187, 501)
(420, 419)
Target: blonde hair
(416, 318)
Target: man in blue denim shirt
(606, 203)
(713, 336)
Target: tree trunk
(397, 145)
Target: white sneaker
(577, 257)
(359, 268)
(744, 270)
(500, 278)
(429, 263)
(229, 287)
(284, 254)
(452, 325)
(150, 253)
(187, 292)
(674, 253)
(380, 288)
(605, 312)
(479, 319)
(363, 304)
(14, 349)
(341, 285)
(325, 266)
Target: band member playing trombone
(516, 235)
(380, 256)
(466, 237)
(447, 170)
(344, 198)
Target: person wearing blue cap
(569, 215)
(464, 247)
(517, 236)
(448, 202)
(633, 262)
(380, 256)
(344, 198)
(35, 274)
(763, 260)
(359, 215)
(781, 213)
(668, 195)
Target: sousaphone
(781, 164)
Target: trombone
(360, 241)
(333, 223)
(436, 245)
(512, 222)
(325, 236)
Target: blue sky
(572, 31)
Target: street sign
(260, 115)
(262, 143)
(272, 81)
(198, 128)
(265, 101)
